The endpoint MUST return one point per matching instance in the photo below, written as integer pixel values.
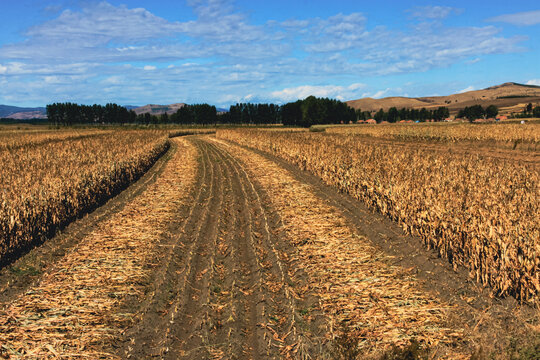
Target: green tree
(393, 114)
(492, 111)
(536, 112)
(164, 118)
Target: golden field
(477, 211)
(48, 179)
(528, 133)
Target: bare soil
(223, 292)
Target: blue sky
(227, 51)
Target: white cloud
(302, 92)
(432, 12)
(101, 23)
(17, 68)
(381, 93)
(225, 52)
(534, 82)
(525, 18)
(113, 80)
(473, 61)
(468, 88)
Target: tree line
(394, 115)
(304, 113)
(478, 112)
(529, 111)
(315, 111)
(72, 114)
(255, 114)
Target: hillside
(21, 113)
(158, 109)
(509, 97)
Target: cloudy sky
(226, 51)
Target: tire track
(223, 290)
(190, 336)
(247, 292)
(150, 337)
(279, 312)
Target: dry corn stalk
(476, 211)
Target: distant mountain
(158, 109)
(509, 97)
(21, 113)
(131, 107)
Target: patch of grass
(527, 351)
(314, 128)
(304, 312)
(25, 271)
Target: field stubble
(477, 211)
(49, 180)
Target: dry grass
(507, 133)
(476, 211)
(12, 139)
(382, 305)
(46, 185)
(73, 311)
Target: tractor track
(223, 290)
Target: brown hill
(24, 115)
(158, 109)
(509, 97)
(370, 104)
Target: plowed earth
(222, 252)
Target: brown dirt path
(229, 291)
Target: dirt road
(225, 290)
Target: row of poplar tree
(307, 112)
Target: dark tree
(492, 111)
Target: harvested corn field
(528, 135)
(48, 180)
(225, 251)
(477, 211)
